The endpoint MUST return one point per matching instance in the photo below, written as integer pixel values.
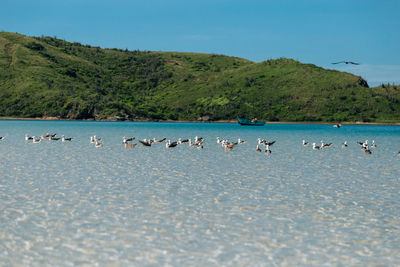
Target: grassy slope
(50, 77)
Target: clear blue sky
(311, 31)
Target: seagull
(305, 143)
(196, 143)
(27, 137)
(344, 145)
(373, 144)
(198, 139)
(98, 144)
(230, 146)
(145, 142)
(168, 144)
(126, 140)
(325, 145)
(63, 139)
(48, 136)
(267, 150)
(94, 138)
(315, 147)
(36, 141)
(180, 141)
(346, 62)
(241, 141)
(258, 149)
(1, 138)
(159, 140)
(363, 145)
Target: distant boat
(253, 122)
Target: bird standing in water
(258, 149)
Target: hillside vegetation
(49, 77)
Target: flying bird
(346, 62)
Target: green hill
(45, 76)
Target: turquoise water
(71, 203)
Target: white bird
(373, 144)
(323, 145)
(168, 144)
(344, 145)
(126, 140)
(196, 143)
(315, 147)
(98, 144)
(364, 145)
(305, 143)
(36, 141)
(258, 149)
(229, 145)
(146, 142)
(48, 136)
(63, 139)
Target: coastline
(196, 121)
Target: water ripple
(74, 204)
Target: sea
(71, 203)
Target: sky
(319, 32)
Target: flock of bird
(364, 146)
(196, 142)
(47, 136)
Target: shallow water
(71, 203)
